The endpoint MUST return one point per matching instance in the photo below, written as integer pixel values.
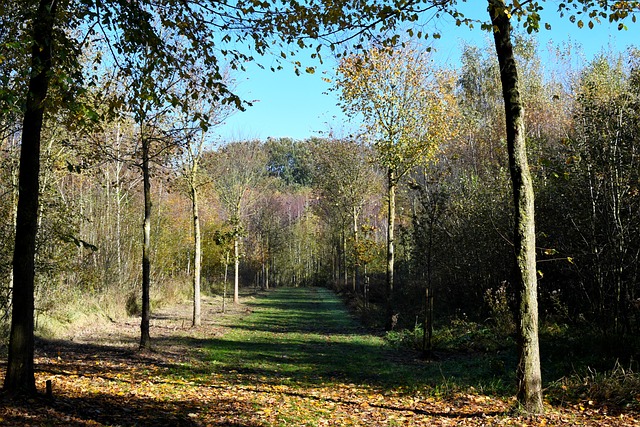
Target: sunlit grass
(306, 337)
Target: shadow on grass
(300, 338)
(307, 337)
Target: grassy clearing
(306, 337)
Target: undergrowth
(579, 367)
(617, 388)
(61, 310)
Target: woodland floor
(288, 357)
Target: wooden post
(49, 389)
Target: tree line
(103, 99)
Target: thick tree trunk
(146, 248)
(529, 380)
(391, 212)
(197, 257)
(20, 369)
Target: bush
(501, 315)
(618, 387)
(464, 335)
(406, 338)
(132, 307)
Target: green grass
(306, 337)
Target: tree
(191, 173)
(234, 169)
(345, 179)
(528, 372)
(175, 34)
(196, 140)
(150, 100)
(20, 369)
(529, 378)
(600, 185)
(408, 110)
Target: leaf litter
(99, 378)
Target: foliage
(235, 168)
(454, 217)
(595, 172)
(345, 182)
(406, 338)
(460, 334)
(405, 102)
(289, 160)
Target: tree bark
(529, 380)
(391, 178)
(119, 198)
(344, 258)
(224, 289)
(197, 257)
(236, 263)
(356, 260)
(146, 248)
(268, 263)
(20, 376)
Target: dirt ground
(170, 328)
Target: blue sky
(286, 105)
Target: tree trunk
(20, 369)
(224, 289)
(529, 380)
(197, 257)
(15, 169)
(267, 262)
(236, 262)
(344, 258)
(391, 182)
(146, 248)
(119, 197)
(356, 261)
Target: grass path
(289, 357)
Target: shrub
(406, 338)
(501, 315)
(618, 387)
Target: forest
(137, 204)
